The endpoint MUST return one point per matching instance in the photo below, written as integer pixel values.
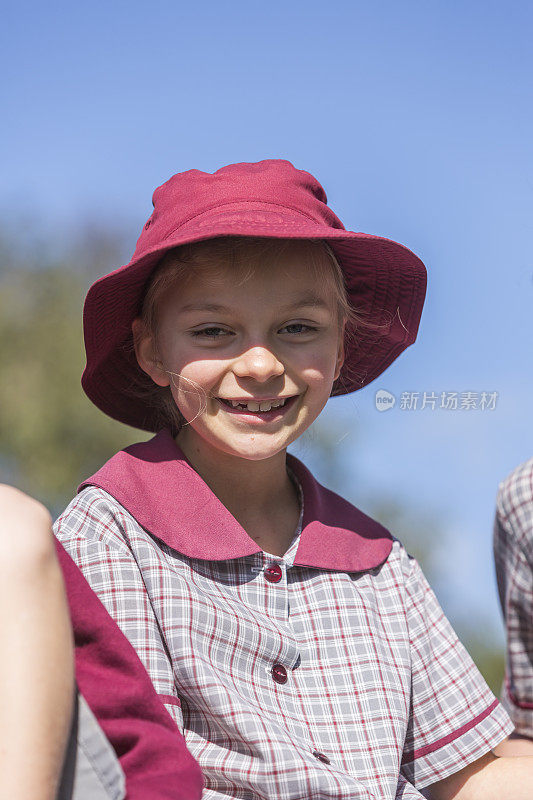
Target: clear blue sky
(417, 119)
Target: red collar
(154, 481)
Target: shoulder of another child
(514, 504)
(93, 514)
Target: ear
(340, 356)
(146, 353)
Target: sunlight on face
(274, 335)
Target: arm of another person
(37, 652)
(515, 745)
(117, 636)
(488, 778)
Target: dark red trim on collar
(156, 483)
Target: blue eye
(202, 332)
(300, 325)
(210, 333)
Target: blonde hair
(243, 254)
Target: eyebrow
(309, 300)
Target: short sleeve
(94, 530)
(513, 558)
(454, 717)
(406, 790)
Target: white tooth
(252, 405)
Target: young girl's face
(257, 340)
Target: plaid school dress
(330, 672)
(513, 556)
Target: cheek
(205, 373)
(319, 365)
(319, 374)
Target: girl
(292, 638)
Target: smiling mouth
(265, 407)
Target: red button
(321, 757)
(279, 673)
(273, 573)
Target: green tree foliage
(51, 436)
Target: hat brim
(385, 281)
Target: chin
(251, 451)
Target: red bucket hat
(270, 198)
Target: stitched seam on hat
(221, 205)
(391, 352)
(395, 351)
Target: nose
(259, 363)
